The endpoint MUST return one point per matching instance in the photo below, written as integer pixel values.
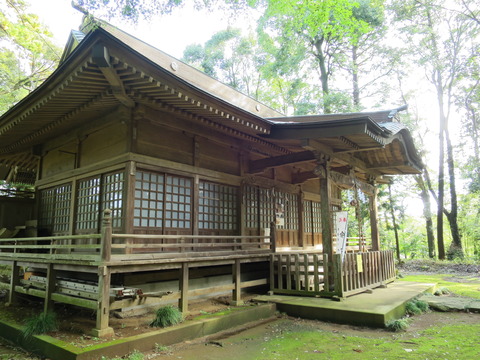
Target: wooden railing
(127, 247)
(298, 274)
(311, 274)
(360, 271)
(67, 248)
(107, 247)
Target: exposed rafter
(101, 58)
(258, 166)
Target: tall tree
(326, 28)
(27, 53)
(438, 37)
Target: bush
(167, 316)
(442, 291)
(40, 324)
(412, 309)
(398, 325)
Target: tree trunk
(394, 221)
(456, 249)
(427, 214)
(322, 65)
(356, 89)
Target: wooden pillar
(103, 304)
(104, 276)
(183, 287)
(14, 281)
(374, 219)
(237, 282)
(323, 172)
(50, 288)
(129, 202)
(301, 221)
(273, 237)
(106, 239)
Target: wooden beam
(300, 178)
(258, 166)
(101, 58)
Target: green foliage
(398, 325)
(135, 355)
(167, 316)
(416, 307)
(442, 291)
(27, 53)
(40, 324)
(468, 287)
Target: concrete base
(103, 333)
(204, 325)
(373, 309)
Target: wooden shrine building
(153, 178)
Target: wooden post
(106, 240)
(338, 277)
(273, 237)
(183, 287)
(301, 221)
(374, 219)
(103, 304)
(50, 288)
(14, 281)
(327, 226)
(237, 281)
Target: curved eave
(383, 149)
(78, 91)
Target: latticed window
(54, 215)
(178, 202)
(288, 203)
(113, 197)
(162, 201)
(149, 195)
(251, 207)
(88, 204)
(95, 195)
(266, 207)
(307, 216)
(312, 217)
(217, 206)
(317, 217)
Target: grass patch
(398, 325)
(468, 287)
(416, 307)
(135, 355)
(40, 324)
(439, 342)
(167, 316)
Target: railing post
(338, 274)
(106, 240)
(237, 282)
(14, 281)
(273, 237)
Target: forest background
(314, 57)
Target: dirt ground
(75, 325)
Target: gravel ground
(438, 267)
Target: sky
(169, 33)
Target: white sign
(341, 225)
